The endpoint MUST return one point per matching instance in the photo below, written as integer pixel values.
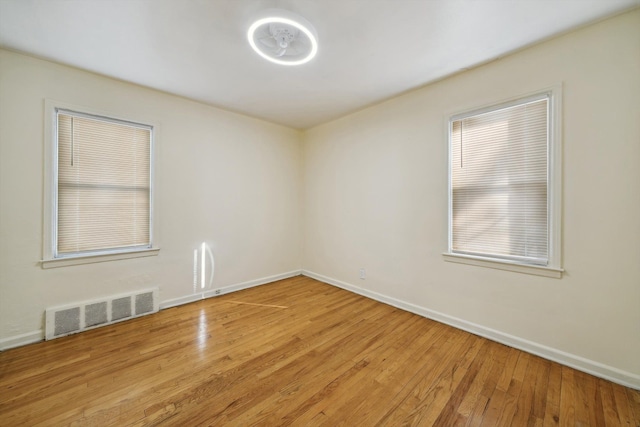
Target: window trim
(49, 257)
(554, 196)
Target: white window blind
(103, 184)
(499, 183)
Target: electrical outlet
(217, 292)
(363, 273)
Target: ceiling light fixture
(284, 38)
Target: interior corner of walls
(22, 339)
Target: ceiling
(369, 50)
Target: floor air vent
(72, 318)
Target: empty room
(320, 212)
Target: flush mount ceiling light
(284, 38)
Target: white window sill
(504, 265)
(90, 259)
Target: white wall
(375, 196)
(223, 178)
(368, 190)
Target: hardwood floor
(296, 352)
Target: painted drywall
(365, 191)
(223, 178)
(375, 197)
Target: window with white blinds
(499, 195)
(103, 185)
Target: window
(101, 186)
(503, 191)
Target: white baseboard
(227, 289)
(597, 369)
(36, 336)
(22, 339)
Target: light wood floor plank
(554, 384)
(296, 352)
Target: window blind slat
(103, 185)
(499, 183)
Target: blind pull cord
(461, 144)
(72, 141)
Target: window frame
(554, 186)
(50, 256)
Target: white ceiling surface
(369, 50)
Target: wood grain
(296, 352)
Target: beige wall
(365, 191)
(223, 178)
(375, 196)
